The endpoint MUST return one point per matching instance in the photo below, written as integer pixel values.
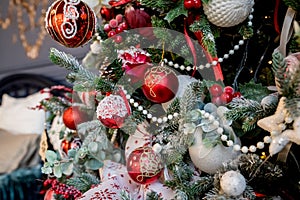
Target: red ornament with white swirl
(144, 166)
(72, 23)
(113, 110)
(160, 84)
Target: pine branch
(295, 4)
(208, 39)
(191, 97)
(161, 4)
(153, 196)
(84, 182)
(70, 63)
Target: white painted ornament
(207, 159)
(233, 183)
(227, 13)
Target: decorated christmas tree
(176, 99)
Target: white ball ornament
(208, 159)
(233, 183)
(227, 13)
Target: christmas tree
(176, 99)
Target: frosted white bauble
(209, 160)
(227, 13)
(233, 183)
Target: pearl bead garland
(230, 143)
(140, 108)
(215, 62)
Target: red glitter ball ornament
(144, 166)
(113, 110)
(72, 23)
(160, 84)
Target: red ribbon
(190, 44)
(217, 68)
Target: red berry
(197, 4)
(119, 18)
(107, 28)
(118, 39)
(228, 89)
(111, 33)
(124, 25)
(113, 23)
(188, 4)
(237, 95)
(119, 29)
(226, 97)
(215, 90)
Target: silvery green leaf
(67, 168)
(57, 171)
(72, 153)
(93, 147)
(46, 169)
(194, 115)
(93, 164)
(51, 156)
(210, 108)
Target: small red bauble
(144, 166)
(237, 95)
(73, 116)
(216, 90)
(106, 28)
(119, 29)
(118, 39)
(226, 97)
(197, 4)
(228, 89)
(113, 110)
(188, 4)
(65, 146)
(111, 33)
(72, 23)
(160, 84)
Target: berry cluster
(68, 192)
(192, 4)
(116, 26)
(221, 96)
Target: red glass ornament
(188, 4)
(160, 84)
(216, 90)
(228, 89)
(113, 110)
(111, 33)
(106, 13)
(226, 97)
(144, 166)
(237, 95)
(119, 29)
(73, 116)
(72, 23)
